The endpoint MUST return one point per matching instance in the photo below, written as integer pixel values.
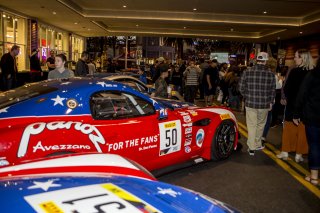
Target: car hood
(110, 193)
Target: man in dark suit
(9, 69)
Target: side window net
(108, 105)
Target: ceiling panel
(229, 19)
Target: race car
(106, 183)
(94, 115)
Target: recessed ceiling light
(194, 9)
(265, 12)
(3, 15)
(231, 29)
(75, 22)
(124, 6)
(278, 38)
(301, 32)
(89, 29)
(184, 27)
(54, 13)
(137, 25)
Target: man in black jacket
(9, 69)
(307, 107)
(161, 67)
(81, 66)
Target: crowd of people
(265, 95)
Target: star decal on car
(168, 192)
(4, 110)
(58, 100)
(43, 185)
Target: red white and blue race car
(105, 183)
(93, 115)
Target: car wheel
(223, 140)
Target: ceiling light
(54, 13)
(3, 15)
(16, 19)
(231, 29)
(124, 6)
(194, 9)
(301, 32)
(89, 29)
(184, 27)
(137, 25)
(75, 22)
(265, 12)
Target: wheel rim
(225, 139)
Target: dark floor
(249, 183)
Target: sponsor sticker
(72, 103)
(189, 136)
(187, 118)
(163, 113)
(187, 125)
(170, 137)
(183, 113)
(33, 129)
(225, 116)
(193, 113)
(44, 148)
(93, 198)
(200, 137)
(188, 130)
(187, 149)
(188, 142)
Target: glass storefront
(14, 31)
(77, 47)
(52, 39)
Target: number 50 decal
(170, 137)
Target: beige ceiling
(219, 19)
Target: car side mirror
(163, 114)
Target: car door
(131, 128)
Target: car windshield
(24, 93)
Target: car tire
(223, 141)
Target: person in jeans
(258, 86)
(307, 108)
(191, 75)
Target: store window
(51, 39)
(14, 32)
(77, 47)
(111, 105)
